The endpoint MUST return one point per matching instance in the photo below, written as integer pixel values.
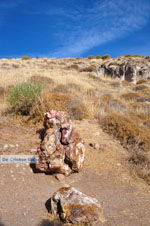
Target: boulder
(128, 70)
(74, 207)
(61, 149)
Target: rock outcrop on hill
(125, 69)
(61, 149)
(75, 207)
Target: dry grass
(123, 108)
(140, 163)
(130, 96)
(127, 130)
(59, 101)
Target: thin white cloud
(103, 21)
(9, 4)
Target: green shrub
(22, 97)
(106, 56)
(26, 58)
(98, 57)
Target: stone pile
(61, 149)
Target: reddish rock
(61, 149)
(60, 177)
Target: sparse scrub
(91, 57)
(41, 80)
(98, 57)
(22, 97)
(126, 83)
(61, 88)
(74, 66)
(116, 84)
(26, 58)
(127, 130)
(140, 87)
(141, 165)
(130, 96)
(141, 81)
(2, 92)
(61, 102)
(106, 57)
(108, 104)
(88, 69)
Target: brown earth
(106, 176)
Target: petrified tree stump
(61, 149)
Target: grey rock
(128, 70)
(74, 207)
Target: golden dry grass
(70, 85)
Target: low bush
(127, 130)
(26, 58)
(91, 57)
(61, 88)
(74, 66)
(88, 69)
(41, 80)
(141, 165)
(61, 102)
(140, 87)
(2, 92)
(109, 104)
(98, 57)
(141, 81)
(106, 57)
(22, 97)
(130, 96)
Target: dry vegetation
(123, 108)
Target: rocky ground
(106, 176)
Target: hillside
(106, 110)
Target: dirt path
(124, 198)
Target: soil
(106, 176)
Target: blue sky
(74, 28)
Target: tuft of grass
(127, 130)
(141, 165)
(88, 69)
(22, 97)
(61, 88)
(141, 81)
(140, 87)
(130, 96)
(2, 92)
(106, 57)
(41, 80)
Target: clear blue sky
(74, 28)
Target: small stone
(33, 150)
(11, 145)
(5, 146)
(97, 133)
(17, 165)
(91, 144)
(60, 177)
(17, 145)
(96, 146)
(92, 121)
